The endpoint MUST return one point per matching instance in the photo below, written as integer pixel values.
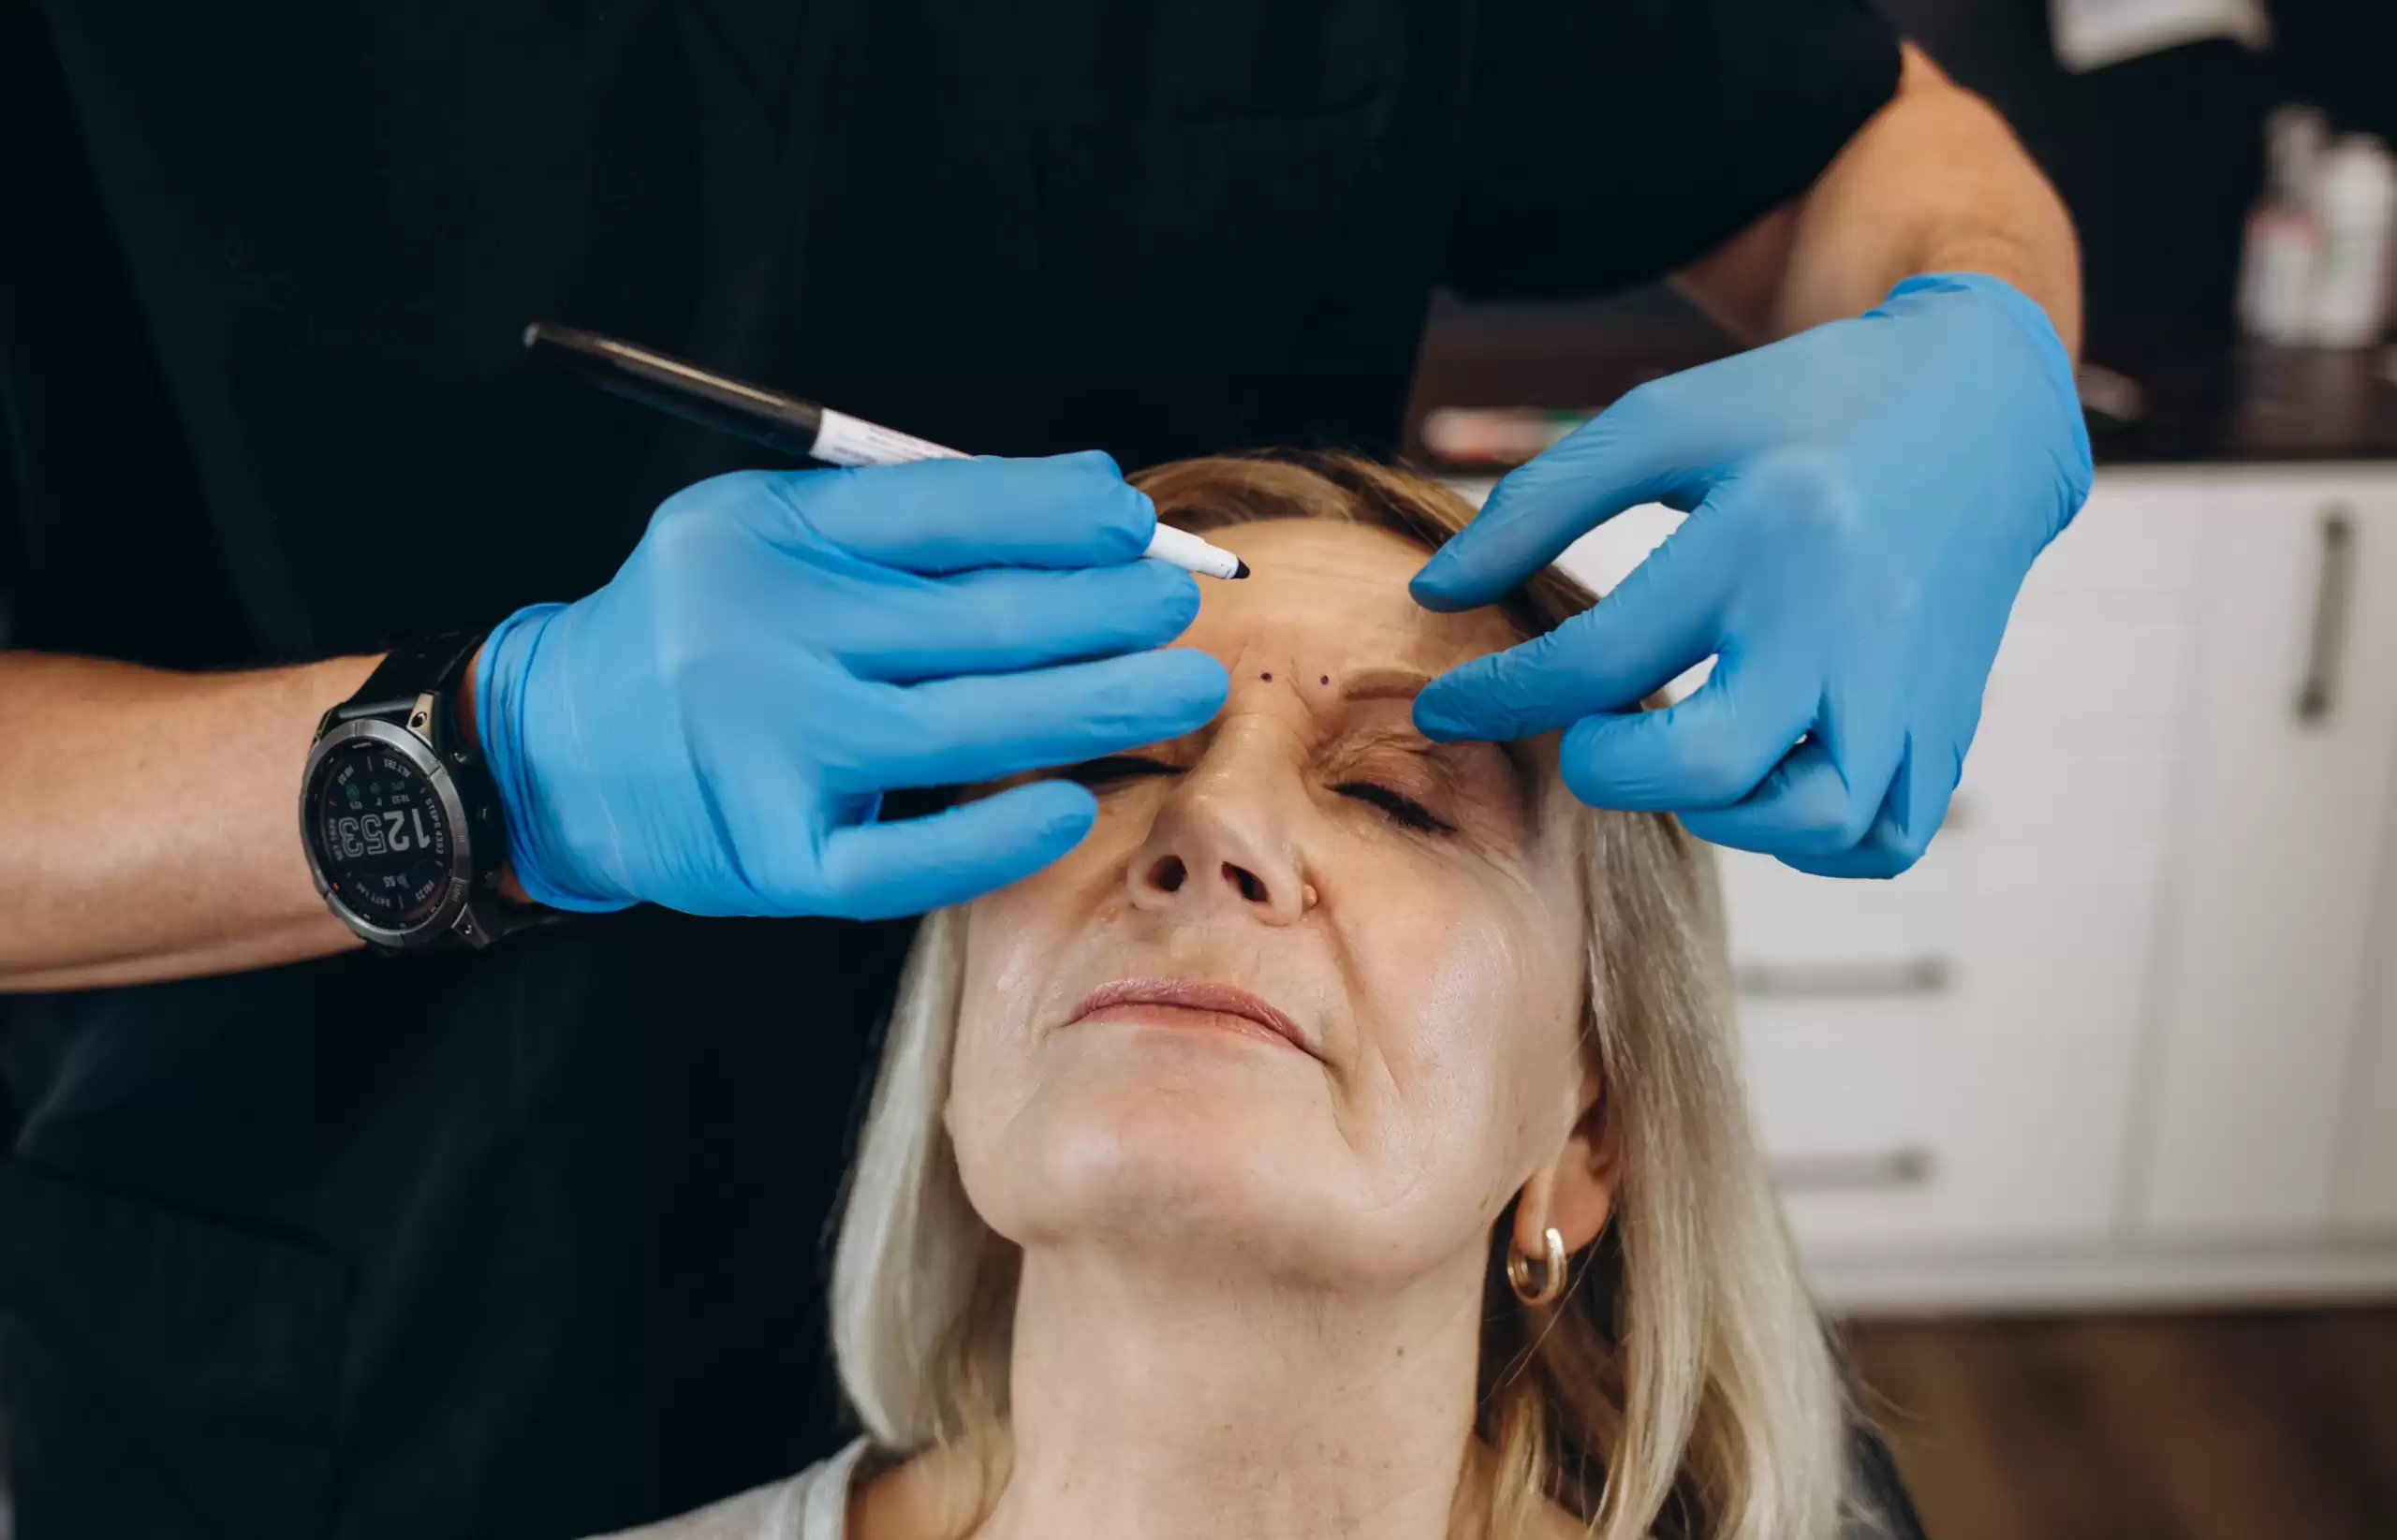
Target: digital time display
(382, 837)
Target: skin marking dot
(1325, 680)
(1267, 678)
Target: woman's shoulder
(812, 1505)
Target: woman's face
(1405, 916)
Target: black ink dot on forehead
(1267, 678)
(1325, 680)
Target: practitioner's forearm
(1935, 183)
(149, 824)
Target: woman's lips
(1188, 1002)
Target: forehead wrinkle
(1304, 568)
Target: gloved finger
(1864, 861)
(959, 731)
(1659, 620)
(1825, 794)
(950, 515)
(1706, 752)
(1903, 828)
(1646, 448)
(1003, 619)
(907, 867)
(1806, 806)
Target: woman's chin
(1218, 1151)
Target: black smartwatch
(399, 820)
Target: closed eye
(1117, 767)
(1400, 808)
(1403, 810)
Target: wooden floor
(2143, 1428)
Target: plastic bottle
(2355, 203)
(2284, 237)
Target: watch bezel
(445, 789)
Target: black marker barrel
(796, 427)
(685, 390)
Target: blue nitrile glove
(1864, 499)
(714, 728)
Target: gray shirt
(815, 1505)
(811, 1506)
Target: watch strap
(407, 671)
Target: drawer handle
(2326, 639)
(1917, 976)
(1909, 1166)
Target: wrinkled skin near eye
(1401, 922)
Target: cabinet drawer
(1885, 1138)
(2039, 958)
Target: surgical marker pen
(787, 423)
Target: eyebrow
(1522, 777)
(1385, 684)
(1391, 683)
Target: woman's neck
(1153, 1404)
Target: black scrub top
(530, 1242)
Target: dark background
(2159, 157)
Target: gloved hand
(1864, 499)
(714, 728)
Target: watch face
(382, 839)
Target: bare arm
(1936, 181)
(149, 821)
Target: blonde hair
(1685, 1377)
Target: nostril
(1168, 874)
(1250, 888)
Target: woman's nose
(1218, 843)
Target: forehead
(1328, 596)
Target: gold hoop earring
(1551, 1279)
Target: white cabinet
(2129, 1030)
(1947, 1060)
(2286, 769)
(2367, 1202)
(1892, 1134)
